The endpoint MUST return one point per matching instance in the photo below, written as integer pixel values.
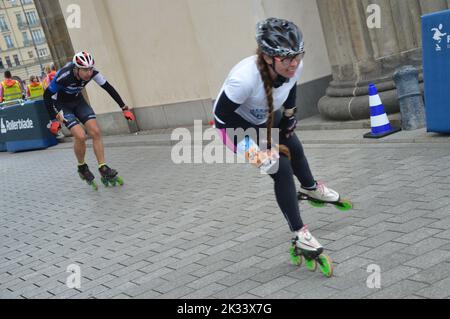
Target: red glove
(55, 127)
(128, 115)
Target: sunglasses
(287, 61)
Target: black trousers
(284, 184)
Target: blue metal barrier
(25, 125)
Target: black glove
(288, 125)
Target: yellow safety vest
(11, 92)
(36, 91)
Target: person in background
(50, 72)
(35, 89)
(65, 104)
(10, 89)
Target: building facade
(23, 47)
(169, 58)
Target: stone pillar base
(352, 103)
(355, 108)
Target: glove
(55, 126)
(128, 115)
(288, 125)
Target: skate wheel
(317, 204)
(311, 264)
(326, 265)
(344, 205)
(104, 181)
(94, 186)
(120, 181)
(112, 182)
(296, 259)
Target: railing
(39, 41)
(22, 25)
(35, 23)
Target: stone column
(55, 30)
(360, 55)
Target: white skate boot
(304, 245)
(322, 193)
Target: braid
(263, 68)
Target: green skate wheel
(119, 180)
(94, 186)
(296, 258)
(112, 182)
(317, 204)
(311, 264)
(344, 205)
(326, 265)
(104, 181)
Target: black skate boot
(109, 176)
(86, 175)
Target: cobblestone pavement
(215, 231)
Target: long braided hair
(263, 68)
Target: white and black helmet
(279, 37)
(83, 60)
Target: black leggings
(285, 190)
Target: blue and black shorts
(76, 112)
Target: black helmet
(279, 37)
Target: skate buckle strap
(321, 187)
(306, 233)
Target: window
(8, 62)
(1, 64)
(3, 24)
(38, 36)
(26, 1)
(30, 54)
(16, 59)
(26, 39)
(32, 17)
(42, 52)
(9, 42)
(19, 19)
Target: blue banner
(436, 70)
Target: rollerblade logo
(19, 125)
(438, 36)
(2, 127)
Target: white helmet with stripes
(83, 60)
